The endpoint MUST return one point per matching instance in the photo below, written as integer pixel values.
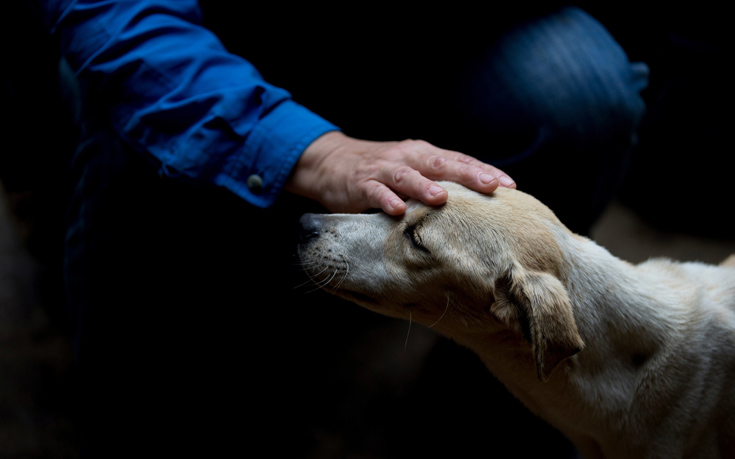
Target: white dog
(627, 361)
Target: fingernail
(395, 202)
(486, 178)
(506, 181)
(435, 190)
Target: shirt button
(255, 183)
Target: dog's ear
(729, 261)
(537, 305)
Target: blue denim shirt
(169, 88)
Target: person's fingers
(380, 196)
(468, 174)
(409, 182)
(457, 167)
(411, 169)
(440, 164)
(350, 175)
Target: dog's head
(477, 265)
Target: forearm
(169, 89)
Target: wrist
(304, 178)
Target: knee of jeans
(565, 74)
(594, 105)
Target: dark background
(379, 391)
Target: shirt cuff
(271, 151)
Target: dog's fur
(626, 361)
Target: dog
(625, 360)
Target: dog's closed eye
(414, 236)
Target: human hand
(351, 175)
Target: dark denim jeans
(563, 100)
(189, 333)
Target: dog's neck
(604, 290)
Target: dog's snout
(310, 226)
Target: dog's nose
(309, 227)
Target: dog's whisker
(318, 285)
(443, 313)
(325, 282)
(344, 276)
(312, 279)
(308, 283)
(408, 332)
(317, 282)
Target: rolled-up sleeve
(171, 90)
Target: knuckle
(376, 194)
(403, 174)
(437, 163)
(411, 145)
(419, 143)
(372, 194)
